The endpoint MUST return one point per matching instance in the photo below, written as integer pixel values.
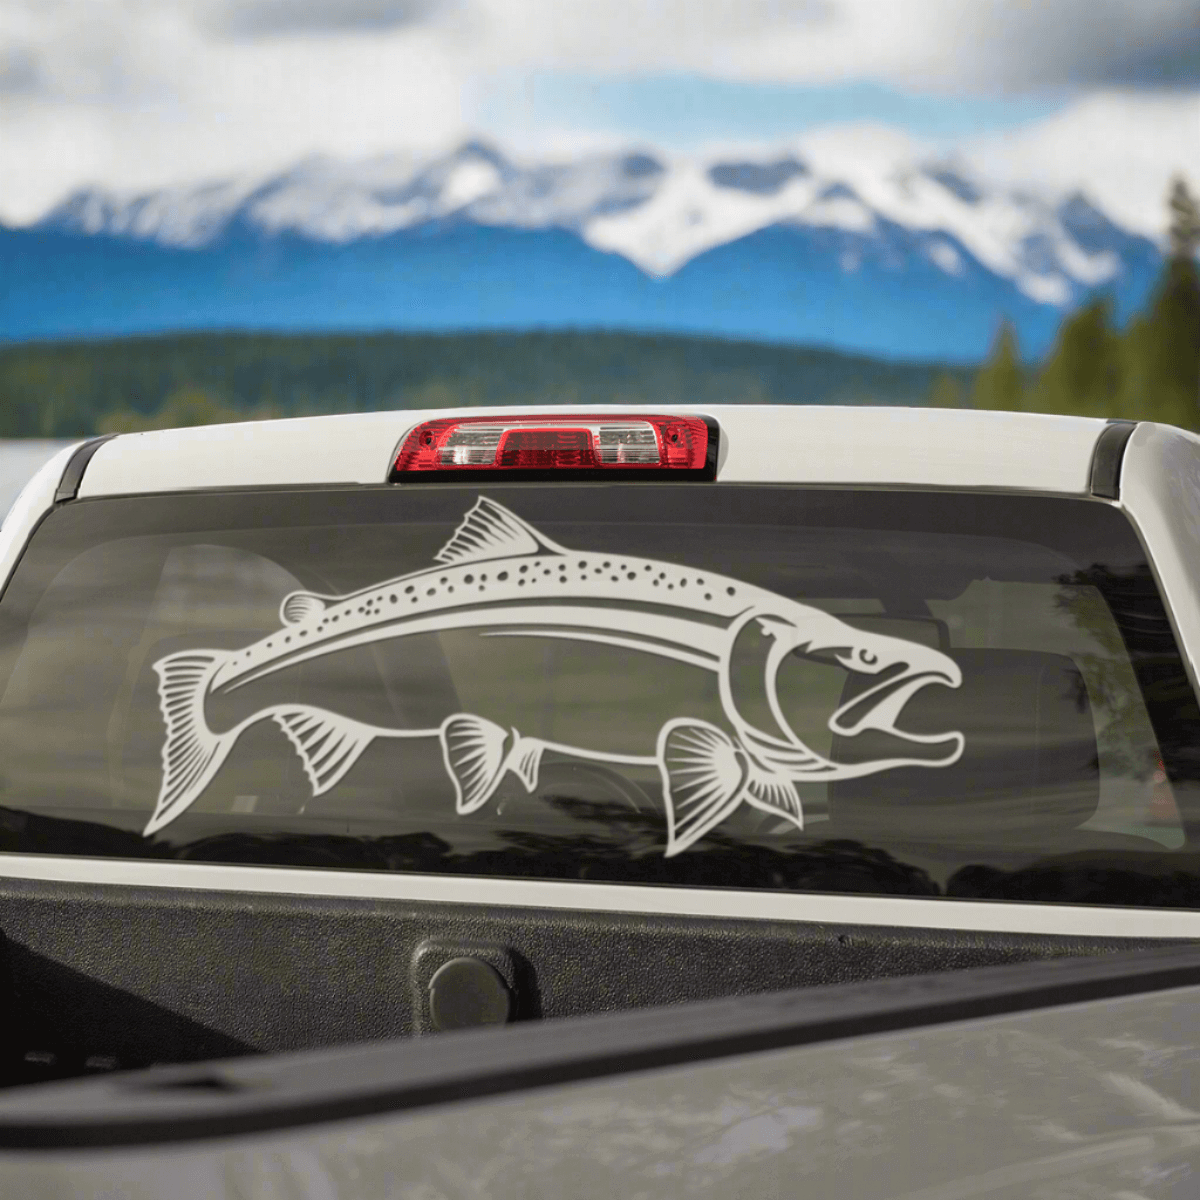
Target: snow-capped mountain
(788, 245)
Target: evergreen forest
(53, 390)
(1149, 371)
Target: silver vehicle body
(1092, 1099)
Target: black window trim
(72, 476)
(1107, 457)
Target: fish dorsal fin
(490, 531)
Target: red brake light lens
(585, 442)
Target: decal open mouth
(879, 708)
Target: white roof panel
(915, 447)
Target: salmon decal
(500, 576)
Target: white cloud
(142, 93)
(860, 153)
(271, 18)
(1121, 149)
(927, 45)
(191, 107)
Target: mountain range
(910, 260)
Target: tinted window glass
(719, 685)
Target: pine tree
(947, 392)
(1163, 349)
(1000, 383)
(1174, 327)
(1084, 373)
(186, 406)
(1184, 232)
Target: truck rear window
(720, 685)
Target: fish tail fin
(328, 745)
(703, 774)
(775, 794)
(474, 751)
(192, 753)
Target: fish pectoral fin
(474, 751)
(328, 745)
(191, 754)
(704, 773)
(525, 760)
(774, 794)
(490, 531)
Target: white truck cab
(627, 706)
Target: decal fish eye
(707, 772)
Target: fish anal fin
(704, 773)
(474, 752)
(191, 754)
(774, 794)
(525, 760)
(299, 606)
(328, 744)
(490, 531)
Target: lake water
(19, 461)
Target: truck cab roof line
(72, 476)
(1107, 457)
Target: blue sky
(679, 110)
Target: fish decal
(500, 576)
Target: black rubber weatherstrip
(72, 476)
(1106, 459)
(250, 1095)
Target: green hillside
(69, 388)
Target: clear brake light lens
(558, 443)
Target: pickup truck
(324, 731)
